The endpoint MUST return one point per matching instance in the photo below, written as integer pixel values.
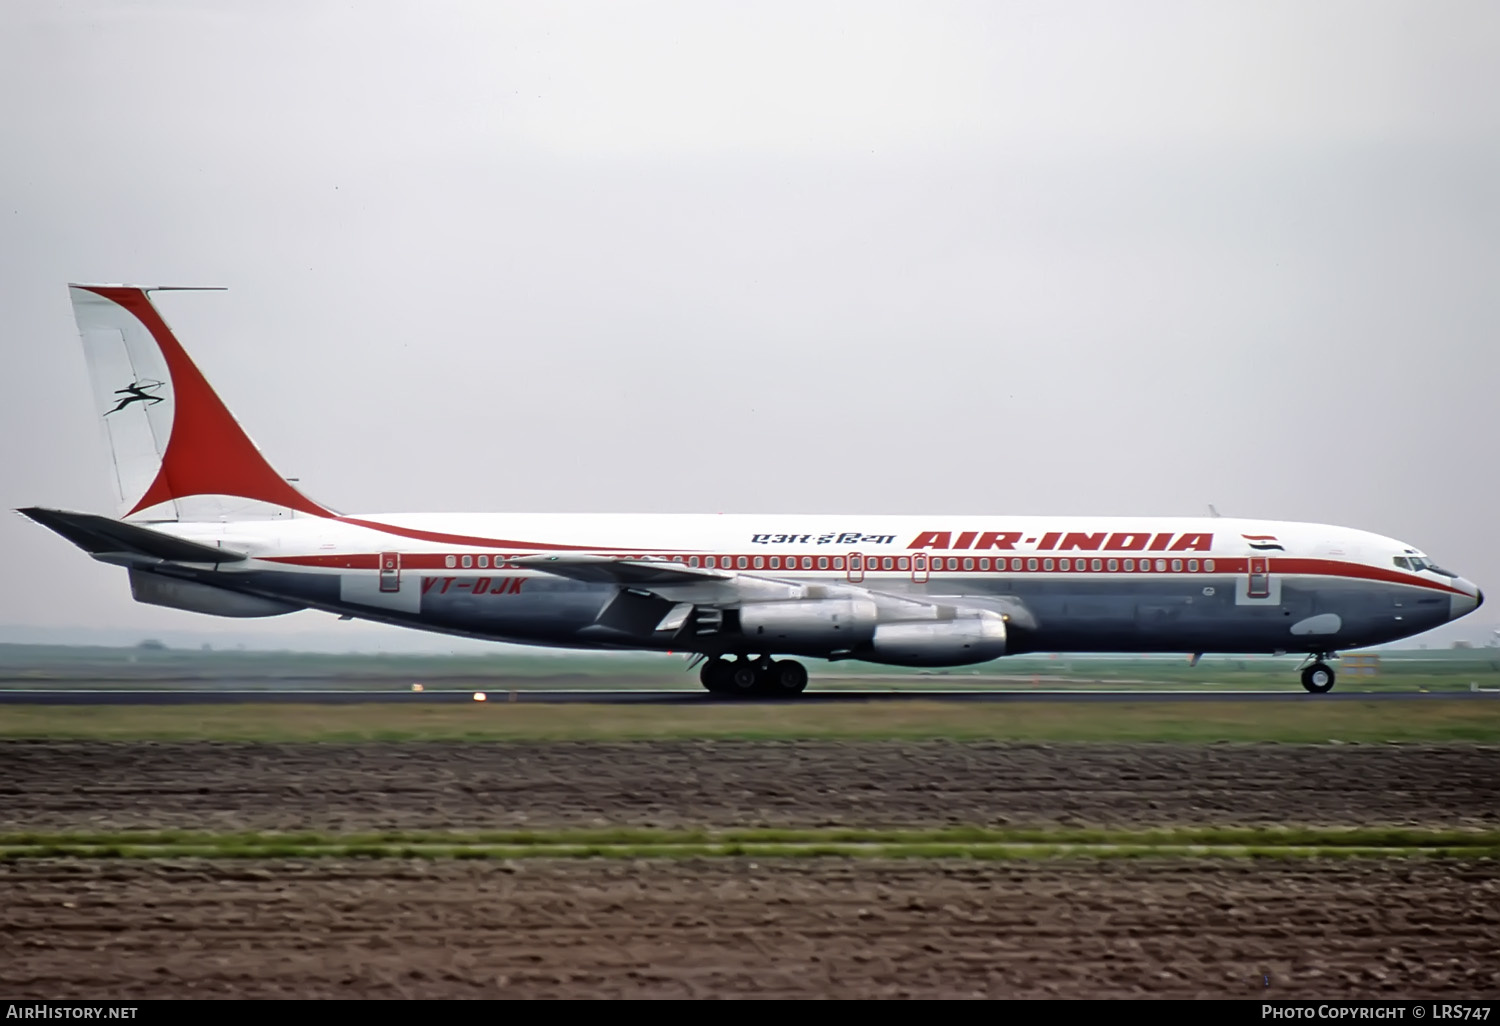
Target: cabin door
(1259, 584)
(390, 571)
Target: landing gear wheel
(742, 678)
(787, 677)
(715, 676)
(1318, 678)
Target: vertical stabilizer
(177, 452)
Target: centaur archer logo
(1261, 542)
(142, 391)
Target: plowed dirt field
(735, 927)
(438, 785)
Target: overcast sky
(1054, 258)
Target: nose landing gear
(1319, 677)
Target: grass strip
(963, 841)
(1278, 836)
(1302, 721)
(766, 851)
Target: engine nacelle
(175, 593)
(974, 636)
(813, 626)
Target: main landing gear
(1318, 678)
(745, 676)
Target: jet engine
(972, 636)
(811, 626)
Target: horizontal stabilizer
(98, 535)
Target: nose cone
(1463, 605)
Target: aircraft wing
(613, 570)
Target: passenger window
(1015, 564)
(1177, 566)
(450, 562)
(889, 563)
(901, 563)
(1145, 566)
(1031, 564)
(1161, 566)
(484, 561)
(822, 562)
(984, 563)
(1065, 564)
(692, 561)
(838, 562)
(1192, 566)
(468, 562)
(807, 562)
(744, 562)
(760, 562)
(968, 563)
(1208, 565)
(1114, 564)
(1046, 564)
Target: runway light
(416, 687)
(479, 696)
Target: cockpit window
(1402, 563)
(1423, 563)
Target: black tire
(742, 678)
(788, 677)
(1318, 678)
(711, 675)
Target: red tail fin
(171, 436)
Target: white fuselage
(1139, 584)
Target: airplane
(204, 523)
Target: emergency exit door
(855, 568)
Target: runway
(621, 696)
